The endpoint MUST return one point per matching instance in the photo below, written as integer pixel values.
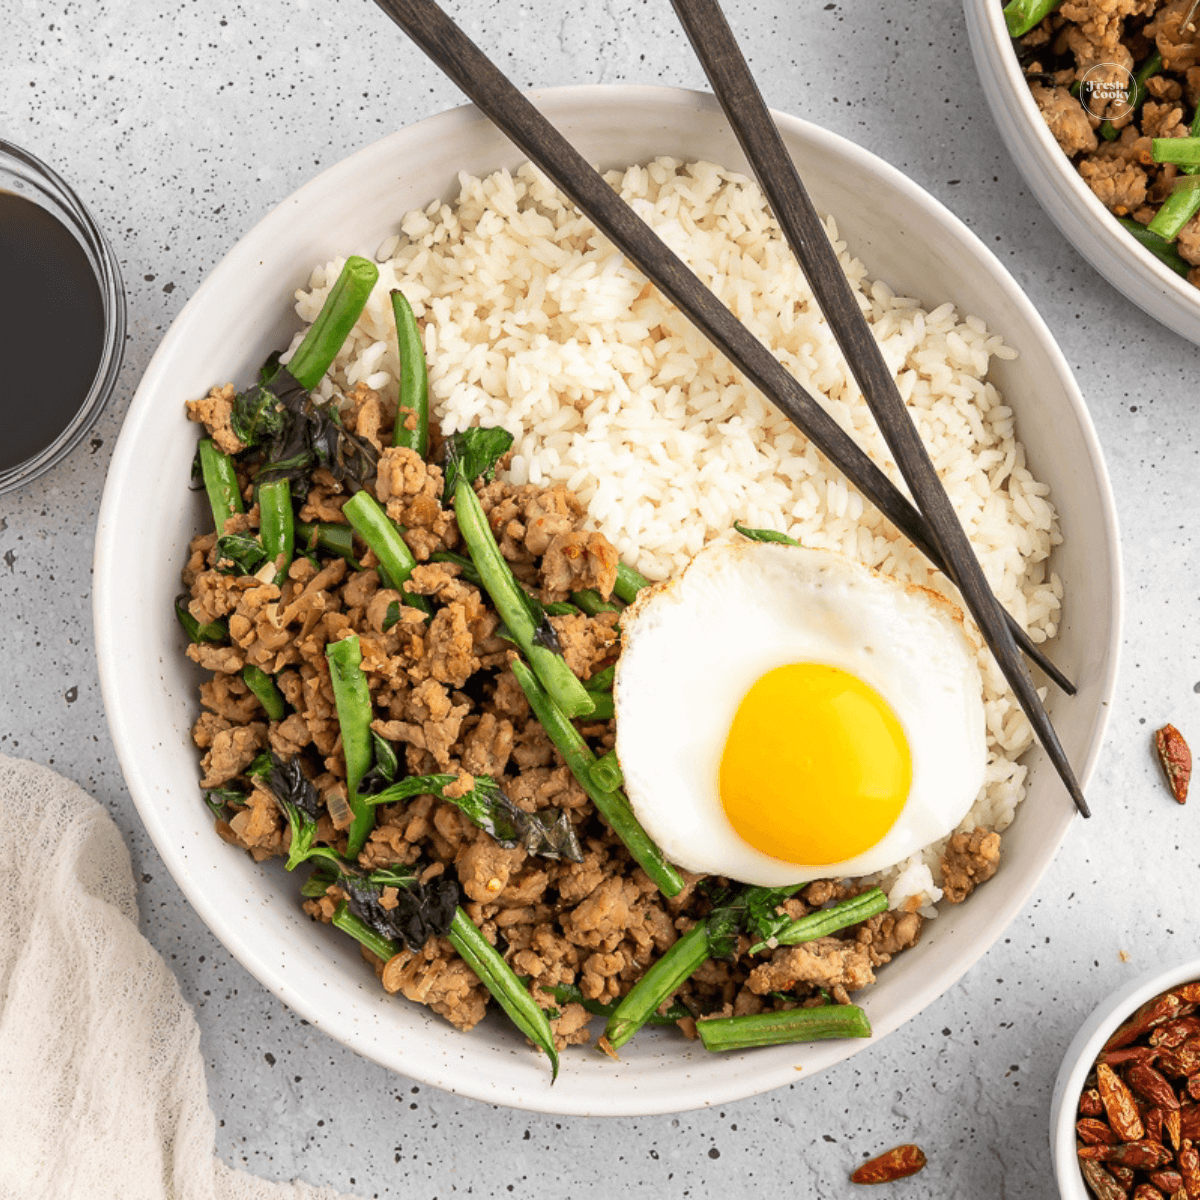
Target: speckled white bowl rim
(1059, 187)
(1080, 1056)
(243, 310)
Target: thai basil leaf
(392, 615)
(289, 784)
(239, 554)
(214, 631)
(310, 435)
(750, 910)
(422, 910)
(764, 535)
(472, 454)
(548, 833)
(218, 798)
(260, 767)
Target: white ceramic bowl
(1060, 189)
(244, 310)
(1080, 1057)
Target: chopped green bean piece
(1162, 250)
(352, 698)
(276, 524)
(613, 806)
(324, 535)
(414, 380)
(327, 334)
(383, 948)
(606, 772)
(825, 921)
(220, 482)
(500, 979)
(375, 528)
(776, 1028)
(559, 680)
(264, 689)
(1022, 15)
(591, 602)
(629, 583)
(214, 631)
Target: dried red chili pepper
(1146, 1156)
(1129, 1054)
(1089, 1103)
(1176, 760)
(1193, 1086)
(1189, 1167)
(1167, 1180)
(896, 1163)
(1146, 1191)
(1153, 1120)
(1182, 1060)
(1174, 1127)
(1123, 1175)
(1151, 1084)
(1152, 1014)
(1175, 1033)
(1119, 1104)
(1189, 1116)
(1188, 991)
(1095, 1133)
(1101, 1182)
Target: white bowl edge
(586, 1086)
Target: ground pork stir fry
(450, 830)
(1106, 42)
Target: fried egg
(787, 714)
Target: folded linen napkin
(102, 1089)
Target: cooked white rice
(533, 321)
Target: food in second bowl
(1116, 85)
(1138, 1113)
(499, 854)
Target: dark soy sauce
(51, 328)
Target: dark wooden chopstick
(514, 115)
(735, 88)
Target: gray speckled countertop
(181, 125)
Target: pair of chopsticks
(934, 529)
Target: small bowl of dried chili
(1125, 1119)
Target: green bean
(1183, 152)
(775, 1028)
(629, 583)
(591, 602)
(375, 528)
(612, 806)
(335, 539)
(276, 524)
(327, 334)
(1137, 93)
(214, 631)
(383, 948)
(1162, 250)
(220, 482)
(414, 380)
(658, 985)
(606, 772)
(559, 680)
(500, 979)
(352, 698)
(1022, 15)
(263, 687)
(1179, 207)
(825, 921)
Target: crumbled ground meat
(1090, 41)
(970, 859)
(213, 412)
(443, 696)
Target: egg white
(692, 648)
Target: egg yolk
(816, 767)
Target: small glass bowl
(29, 177)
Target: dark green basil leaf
(239, 554)
(764, 535)
(471, 455)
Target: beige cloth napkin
(102, 1089)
